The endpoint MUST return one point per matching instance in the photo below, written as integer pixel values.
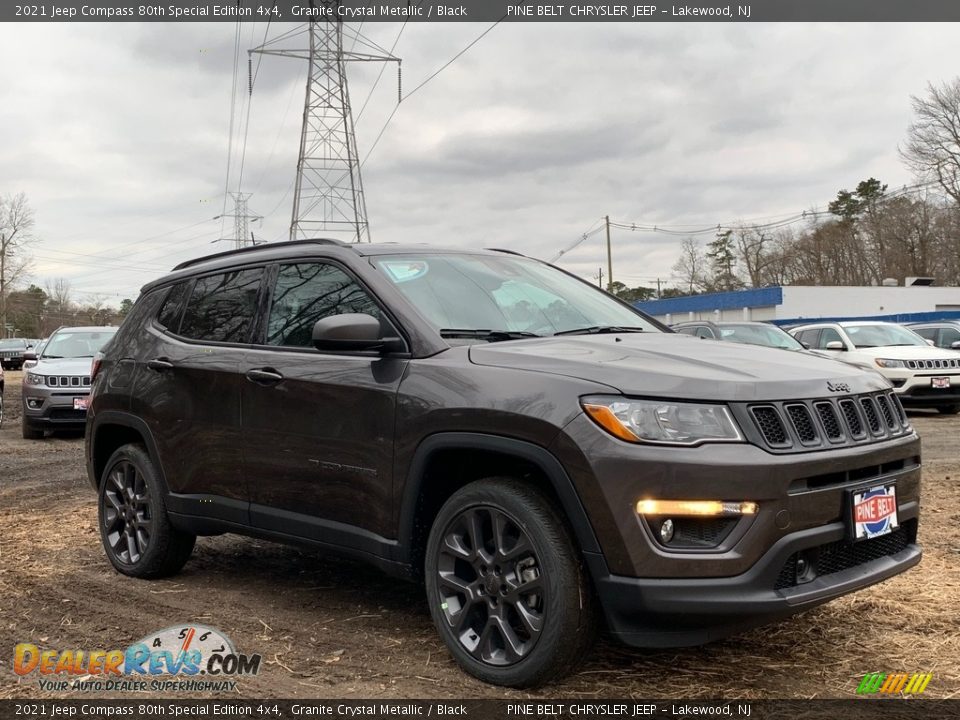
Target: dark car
(942, 333)
(746, 332)
(538, 452)
(11, 352)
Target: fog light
(801, 568)
(666, 531)
(34, 403)
(689, 508)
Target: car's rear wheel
(505, 585)
(949, 409)
(134, 528)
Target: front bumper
(672, 612)
(915, 387)
(44, 408)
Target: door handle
(264, 376)
(160, 364)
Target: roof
(755, 297)
(307, 248)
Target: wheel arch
(469, 457)
(112, 430)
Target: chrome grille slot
(771, 426)
(884, 404)
(870, 414)
(829, 420)
(852, 418)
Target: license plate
(941, 382)
(873, 511)
(81, 403)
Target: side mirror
(352, 332)
(29, 356)
(835, 345)
(931, 342)
(955, 346)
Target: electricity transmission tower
(328, 195)
(241, 220)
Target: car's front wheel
(134, 528)
(505, 584)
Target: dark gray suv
(539, 453)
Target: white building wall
(817, 302)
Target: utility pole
(609, 257)
(600, 278)
(241, 220)
(329, 191)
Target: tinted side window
(829, 335)
(308, 292)
(948, 336)
(172, 308)
(221, 307)
(929, 333)
(687, 330)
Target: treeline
(870, 235)
(36, 312)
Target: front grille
(68, 381)
(842, 555)
(800, 426)
(803, 424)
(944, 364)
(771, 426)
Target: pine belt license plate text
(940, 382)
(81, 403)
(873, 511)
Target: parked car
(942, 333)
(746, 332)
(30, 357)
(922, 376)
(538, 451)
(11, 352)
(55, 391)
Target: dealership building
(788, 304)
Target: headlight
(885, 363)
(34, 379)
(670, 423)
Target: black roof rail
(504, 250)
(238, 251)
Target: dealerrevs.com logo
(185, 657)
(894, 683)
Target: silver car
(56, 390)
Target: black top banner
(483, 11)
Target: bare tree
(16, 226)
(691, 268)
(60, 300)
(933, 138)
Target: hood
(901, 352)
(64, 366)
(671, 365)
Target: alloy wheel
(125, 509)
(490, 584)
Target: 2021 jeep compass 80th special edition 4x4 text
(539, 453)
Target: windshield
(76, 343)
(12, 344)
(867, 336)
(766, 335)
(477, 293)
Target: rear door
(188, 385)
(318, 427)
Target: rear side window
(221, 307)
(308, 292)
(172, 308)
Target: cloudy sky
(119, 134)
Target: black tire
(949, 409)
(134, 528)
(520, 612)
(30, 432)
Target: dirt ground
(330, 628)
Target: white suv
(922, 376)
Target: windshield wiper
(600, 329)
(488, 335)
